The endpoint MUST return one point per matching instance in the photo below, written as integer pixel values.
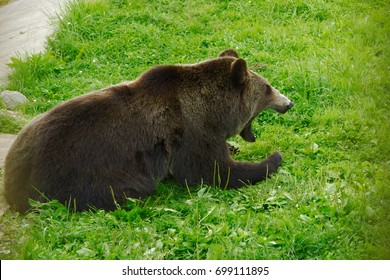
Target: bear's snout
(283, 108)
(279, 102)
(288, 107)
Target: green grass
(330, 199)
(4, 2)
(11, 122)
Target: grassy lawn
(329, 200)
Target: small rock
(12, 99)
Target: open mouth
(247, 133)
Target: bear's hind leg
(105, 193)
(138, 188)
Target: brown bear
(100, 148)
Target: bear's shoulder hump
(160, 79)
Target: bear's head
(257, 94)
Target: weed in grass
(330, 199)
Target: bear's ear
(239, 72)
(229, 52)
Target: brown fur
(173, 120)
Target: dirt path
(24, 27)
(6, 141)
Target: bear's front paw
(273, 162)
(276, 158)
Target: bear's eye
(268, 90)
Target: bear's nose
(289, 106)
